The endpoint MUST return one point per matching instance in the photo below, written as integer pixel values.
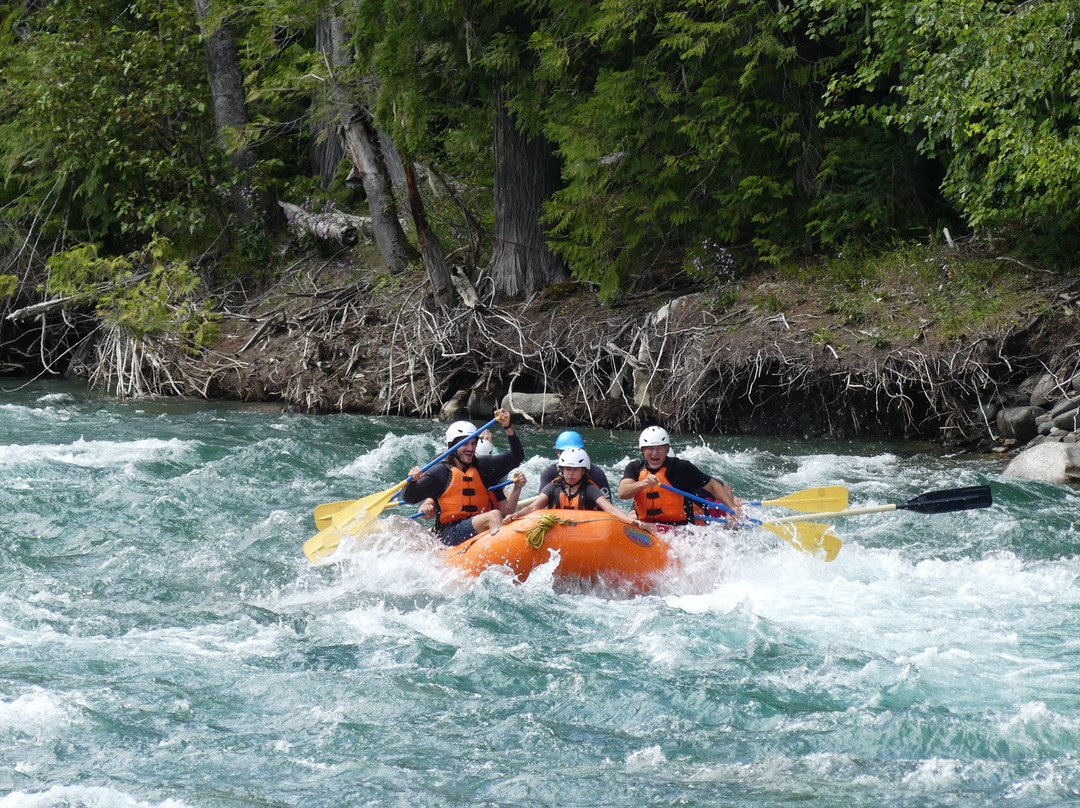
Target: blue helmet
(569, 440)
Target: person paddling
(572, 440)
(570, 490)
(455, 493)
(642, 482)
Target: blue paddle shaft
(457, 446)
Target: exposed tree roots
(391, 350)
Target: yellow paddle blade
(325, 513)
(810, 537)
(814, 500)
(353, 520)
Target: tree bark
(333, 225)
(526, 174)
(430, 247)
(361, 142)
(326, 152)
(230, 108)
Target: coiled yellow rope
(535, 537)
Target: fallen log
(331, 225)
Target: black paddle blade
(951, 499)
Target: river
(164, 641)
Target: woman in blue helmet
(572, 440)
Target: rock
(1065, 405)
(1069, 420)
(535, 405)
(987, 412)
(1045, 391)
(1019, 422)
(480, 405)
(675, 306)
(452, 409)
(1051, 462)
(1023, 392)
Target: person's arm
(424, 486)
(630, 485)
(509, 503)
(722, 493)
(538, 503)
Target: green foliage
(9, 285)
(106, 111)
(988, 90)
(144, 294)
(685, 133)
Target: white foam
(81, 797)
(96, 453)
(37, 713)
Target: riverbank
(930, 344)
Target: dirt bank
(769, 357)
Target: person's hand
(427, 508)
(651, 481)
(415, 473)
(486, 435)
(519, 478)
(503, 417)
(510, 517)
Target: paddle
(945, 501)
(324, 513)
(811, 500)
(807, 536)
(361, 513)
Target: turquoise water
(164, 641)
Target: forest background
(867, 208)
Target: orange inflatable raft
(592, 545)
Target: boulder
(1019, 422)
(1068, 420)
(535, 405)
(1050, 462)
(480, 404)
(1065, 405)
(1045, 391)
(453, 410)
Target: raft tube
(592, 546)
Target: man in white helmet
(642, 482)
(573, 491)
(455, 493)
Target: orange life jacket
(464, 497)
(656, 504)
(575, 502)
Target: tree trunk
(326, 152)
(430, 247)
(361, 142)
(230, 109)
(526, 174)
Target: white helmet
(458, 430)
(484, 447)
(653, 436)
(574, 459)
